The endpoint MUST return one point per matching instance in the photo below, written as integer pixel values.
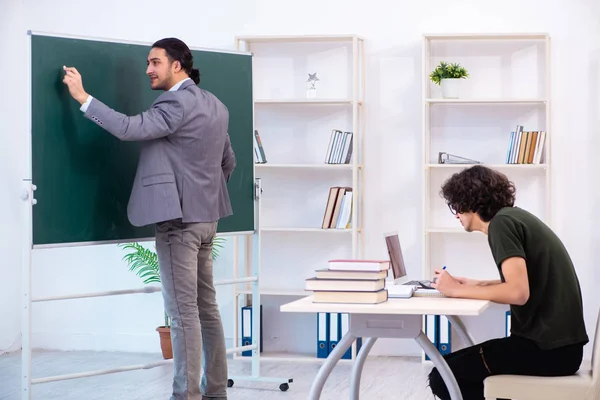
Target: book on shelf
(339, 150)
(259, 151)
(350, 281)
(525, 147)
(338, 210)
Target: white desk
(396, 318)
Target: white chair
(584, 385)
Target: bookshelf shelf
(486, 36)
(508, 90)
(316, 230)
(270, 39)
(485, 101)
(296, 135)
(308, 101)
(494, 166)
(308, 166)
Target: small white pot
(450, 88)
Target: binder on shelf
(344, 325)
(331, 327)
(334, 331)
(322, 335)
(445, 340)
(445, 158)
(507, 324)
(431, 330)
(247, 329)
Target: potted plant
(448, 76)
(144, 262)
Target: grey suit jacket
(186, 156)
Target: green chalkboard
(82, 173)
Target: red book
(359, 265)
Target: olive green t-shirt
(553, 315)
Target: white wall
(393, 199)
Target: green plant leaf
(447, 70)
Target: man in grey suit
(180, 186)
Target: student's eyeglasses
(452, 210)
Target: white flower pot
(450, 88)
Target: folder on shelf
(322, 335)
(246, 323)
(344, 326)
(431, 330)
(334, 331)
(445, 340)
(445, 158)
(507, 325)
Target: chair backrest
(594, 391)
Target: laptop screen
(396, 260)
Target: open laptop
(402, 286)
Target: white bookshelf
(509, 85)
(295, 133)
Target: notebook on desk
(402, 286)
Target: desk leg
(441, 365)
(461, 330)
(359, 363)
(328, 365)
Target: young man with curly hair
(537, 280)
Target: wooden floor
(384, 378)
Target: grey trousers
(184, 253)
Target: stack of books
(350, 281)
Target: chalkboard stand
(27, 195)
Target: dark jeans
(511, 355)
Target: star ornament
(312, 77)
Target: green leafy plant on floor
(448, 71)
(144, 262)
